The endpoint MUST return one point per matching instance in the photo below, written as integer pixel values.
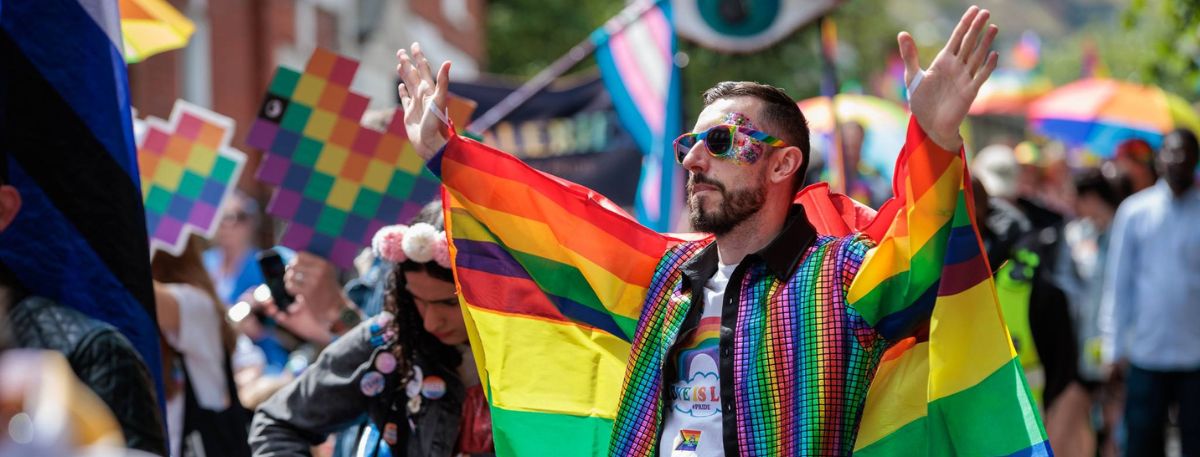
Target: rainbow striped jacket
(795, 359)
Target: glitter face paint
(746, 150)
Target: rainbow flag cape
(637, 63)
(553, 278)
(961, 390)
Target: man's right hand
(953, 79)
(419, 93)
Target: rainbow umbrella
(152, 26)
(1100, 113)
(884, 123)
(1009, 93)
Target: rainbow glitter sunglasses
(723, 143)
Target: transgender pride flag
(636, 54)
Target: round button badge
(385, 362)
(390, 435)
(433, 388)
(371, 384)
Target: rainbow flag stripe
(552, 277)
(961, 391)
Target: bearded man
(751, 341)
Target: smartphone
(272, 268)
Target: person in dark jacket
(98, 354)
(409, 369)
(102, 358)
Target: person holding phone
(301, 293)
(409, 369)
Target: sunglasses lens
(683, 144)
(719, 140)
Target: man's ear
(10, 204)
(785, 163)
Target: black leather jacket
(102, 358)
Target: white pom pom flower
(420, 242)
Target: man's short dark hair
(3, 168)
(781, 117)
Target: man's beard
(735, 208)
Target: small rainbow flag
(1092, 64)
(187, 170)
(339, 181)
(637, 63)
(1027, 53)
(690, 440)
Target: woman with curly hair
(409, 370)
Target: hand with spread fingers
(945, 90)
(422, 98)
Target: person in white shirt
(203, 412)
(1151, 309)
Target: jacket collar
(781, 255)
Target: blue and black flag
(66, 130)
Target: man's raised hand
(945, 93)
(420, 95)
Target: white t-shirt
(199, 343)
(693, 416)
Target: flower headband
(421, 243)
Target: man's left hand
(949, 86)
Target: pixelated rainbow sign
(187, 171)
(338, 181)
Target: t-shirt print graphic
(698, 392)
